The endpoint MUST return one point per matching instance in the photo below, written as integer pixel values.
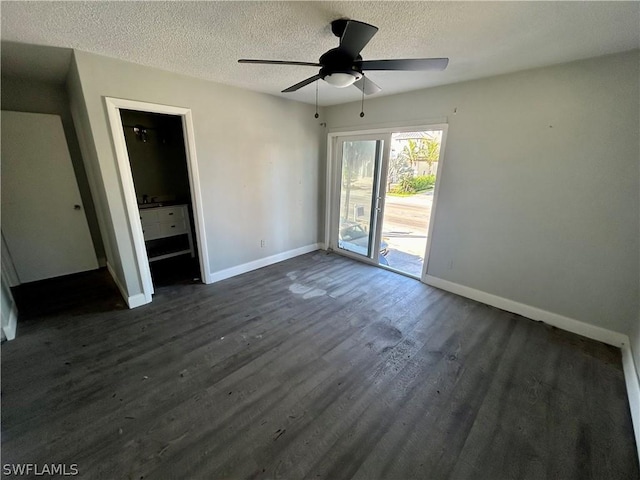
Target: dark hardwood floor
(317, 367)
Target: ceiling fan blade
(303, 83)
(278, 62)
(367, 86)
(355, 36)
(409, 64)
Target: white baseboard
(565, 323)
(137, 300)
(132, 301)
(261, 262)
(206, 275)
(633, 390)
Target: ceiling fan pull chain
(364, 81)
(316, 115)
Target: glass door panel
(408, 198)
(358, 196)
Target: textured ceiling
(205, 39)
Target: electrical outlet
(450, 265)
(262, 242)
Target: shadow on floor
(179, 270)
(94, 291)
(76, 294)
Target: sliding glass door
(360, 160)
(383, 195)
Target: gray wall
(538, 199)
(258, 158)
(27, 95)
(89, 154)
(634, 335)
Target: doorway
(165, 225)
(383, 195)
(155, 145)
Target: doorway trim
(333, 169)
(114, 105)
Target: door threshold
(400, 272)
(379, 265)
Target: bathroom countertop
(143, 206)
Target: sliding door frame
(379, 178)
(333, 177)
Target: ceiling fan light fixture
(342, 79)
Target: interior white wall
(258, 159)
(538, 199)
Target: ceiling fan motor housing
(338, 61)
(338, 26)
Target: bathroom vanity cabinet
(167, 231)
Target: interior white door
(43, 220)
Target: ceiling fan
(344, 66)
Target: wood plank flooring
(317, 367)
